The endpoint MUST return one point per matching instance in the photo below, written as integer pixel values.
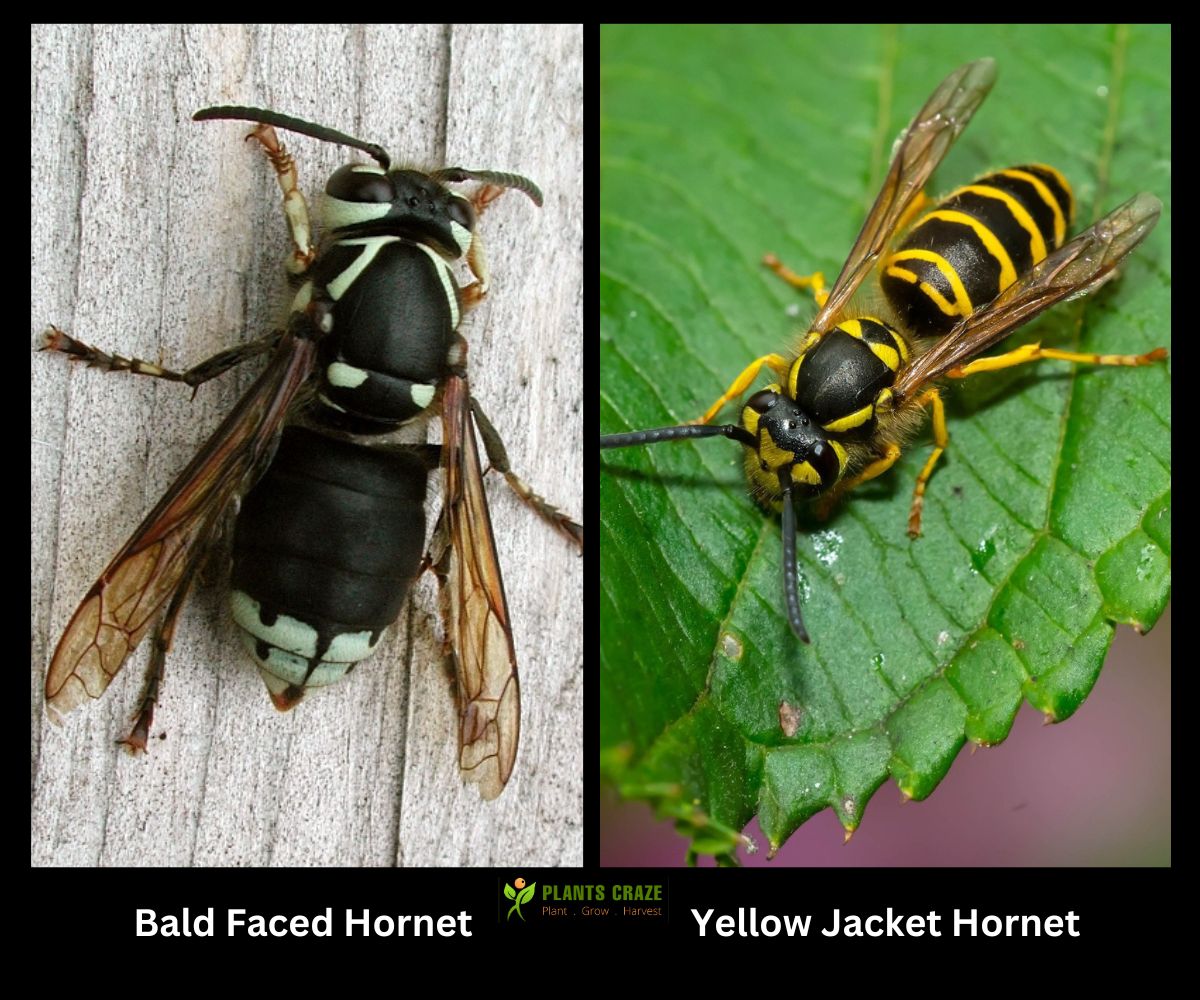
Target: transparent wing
(489, 701)
(142, 578)
(921, 148)
(1074, 269)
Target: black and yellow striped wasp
(956, 279)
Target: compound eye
(359, 184)
(461, 211)
(763, 400)
(823, 458)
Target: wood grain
(162, 238)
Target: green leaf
(1049, 517)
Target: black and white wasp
(331, 531)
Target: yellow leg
(1035, 352)
(777, 364)
(877, 468)
(941, 438)
(814, 282)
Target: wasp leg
(437, 561)
(498, 458)
(160, 646)
(1035, 352)
(487, 194)
(875, 469)
(777, 364)
(940, 439)
(814, 282)
(474, 293)
(295, 208)
(1021, 355)
(55, 339)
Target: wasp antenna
(299, 125)
(680, 433)
(791, 582)
(514, 181)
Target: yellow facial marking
(772, 454)
(803, 472)
(842, 456)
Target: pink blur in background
(1092, 790)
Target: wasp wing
(475, 609)
(920, 149)
(1074, 269)
(142, 578)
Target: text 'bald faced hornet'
(330, 534)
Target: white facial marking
(462, 236)
(338, 213)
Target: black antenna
(265, 117)
(514, 181)
(682, 432)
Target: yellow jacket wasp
(954, 280)
(331, 530)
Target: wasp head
(789, 447)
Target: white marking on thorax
(371, 246)
(447, 279)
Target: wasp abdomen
(396, 310)
(325, 549)
(975, 243)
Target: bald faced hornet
(331, 533)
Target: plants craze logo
(519, 893)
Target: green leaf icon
(524, 896)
